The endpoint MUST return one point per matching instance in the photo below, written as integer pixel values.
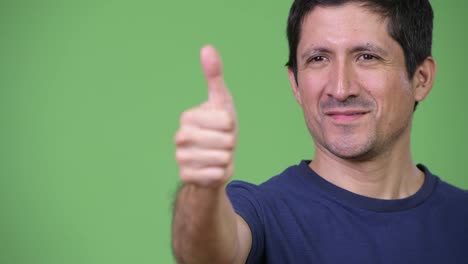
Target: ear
(294, 86)
(423, 78)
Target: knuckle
(225, 158)
(227, 120)
(185, 176)
(185, 117)
(179, 137)
(181, 157)
(230, 142)
(184, 135)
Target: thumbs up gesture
(207, 136)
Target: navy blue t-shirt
(299, 217)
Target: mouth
(346, 116)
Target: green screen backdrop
(90, 98)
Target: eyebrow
(314, 50)
(368, 47)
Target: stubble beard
(348, 146)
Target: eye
(367, 57)
(316, 59)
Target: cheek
(311, 85)
(374, 84)
(391, 92)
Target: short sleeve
(245, 198)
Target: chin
(350, 149)
(354, 155)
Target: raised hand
(207, 137)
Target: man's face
(352, 82)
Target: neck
(391, 175)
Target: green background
(90, 98)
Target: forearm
(204, 227)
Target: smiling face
(352, 83)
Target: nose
(342, 83)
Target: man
(358, 70)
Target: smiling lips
(346, 116)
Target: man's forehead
(369, 7)
(365, 10)
(349, 25)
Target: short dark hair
(410, 24)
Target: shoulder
(449, 197)
(452, 193)
(288, 180)
(445, 189)
(293, 189)
(258, 205)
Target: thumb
(218, 94)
